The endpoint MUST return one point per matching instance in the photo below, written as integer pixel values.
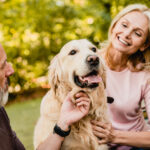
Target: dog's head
(77, 65)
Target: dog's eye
(73, 52)
(93, 49)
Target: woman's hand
(71, 113)
(103, 131)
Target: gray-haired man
(8, 139)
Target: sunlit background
(32, 32)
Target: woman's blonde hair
(139, 60)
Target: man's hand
(71, 113)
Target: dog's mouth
(91, 80)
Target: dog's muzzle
(91, 79)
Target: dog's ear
(103, 71)
(54, 73)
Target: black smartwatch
(60, 132)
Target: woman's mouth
(123, 41)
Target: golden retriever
(76, 68)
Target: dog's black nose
(92, 60)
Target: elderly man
(8, 139)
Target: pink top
(128, 90)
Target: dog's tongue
(91, 79)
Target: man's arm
(53, 142)
(70, 113)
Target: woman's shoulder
(138, 77)
(144, 73)
(147, 75)
(142, 77)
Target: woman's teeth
(124, 42)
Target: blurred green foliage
(33, 31)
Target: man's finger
(81, 94)
(83, 103)
(82, 99)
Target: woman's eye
(124, 25)
(93, 49)
(72, 52)
(138, 34)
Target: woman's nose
(127, 33)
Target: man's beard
(3, 97)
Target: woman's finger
(99, 129)
(98, 134)
(100, 124)
(102, 141)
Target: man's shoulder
(3, 114)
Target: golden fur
(61, 71)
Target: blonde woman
(127, 58)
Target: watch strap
(61, 132)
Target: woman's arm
(107, 134)
(70, 113)
(132, 138)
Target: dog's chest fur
(81, 136)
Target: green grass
(23, 117)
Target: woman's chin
(120, 49)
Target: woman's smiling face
(130, 33)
